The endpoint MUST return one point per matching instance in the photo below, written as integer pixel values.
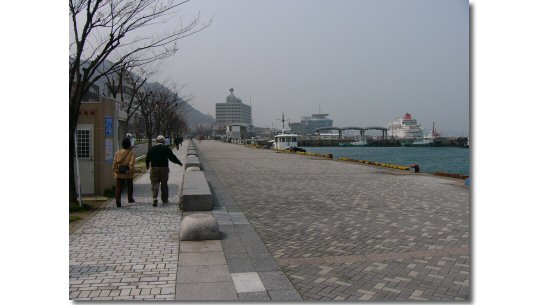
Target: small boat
(356, 143)
(360, 142)
(285, 140)
(432, 139)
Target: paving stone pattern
(255, 273)
(129, 253)
(344, 231)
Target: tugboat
(285, 140)
(432, 139)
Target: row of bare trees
(110, 37)
(160, 109)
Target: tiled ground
(344, 231)
(128, 253)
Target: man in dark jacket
(158, 157)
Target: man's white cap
(160, 138)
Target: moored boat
(285, 141)
(360, 142)
(405, 129)
(432, 139)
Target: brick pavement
(344, 231)
(129, 253)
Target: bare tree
(125, 83)
(104, 34)
(147, 105)
(166, 102)
(156, 101)
(171, 124)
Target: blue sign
(108, 126)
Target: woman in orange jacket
(123, 168)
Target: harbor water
(454, 160)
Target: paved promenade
(129, 253)
(343, 231)
(293, 228)
(134, 253)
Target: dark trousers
(119, 186)
(159, 175)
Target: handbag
(123, 169)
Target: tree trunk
(150, 143)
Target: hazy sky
(364, 62)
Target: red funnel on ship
(407, 116)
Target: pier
(343, 231)
(261, 225)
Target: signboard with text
(109, 150)
(108, 126)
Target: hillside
(195, 118)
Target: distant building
(311, 123)
(232, 112)
(239, 131)
(262, 132)
(297, 128)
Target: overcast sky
(364, 62)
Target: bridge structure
(361, 129)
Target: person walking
(123, 169)
(176, 142)
(158, 157)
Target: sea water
(454, 160)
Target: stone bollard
(192, 161)
(196, 194)
(199, 226)
(193, 169)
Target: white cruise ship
(405, 128)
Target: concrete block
(192, 161)
(199, 226)
(203, 274)
(191, 153)
(193, 169)
(247, 282)
(219, 291)
(196, 195)
(201, 258)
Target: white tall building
(232, 112)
